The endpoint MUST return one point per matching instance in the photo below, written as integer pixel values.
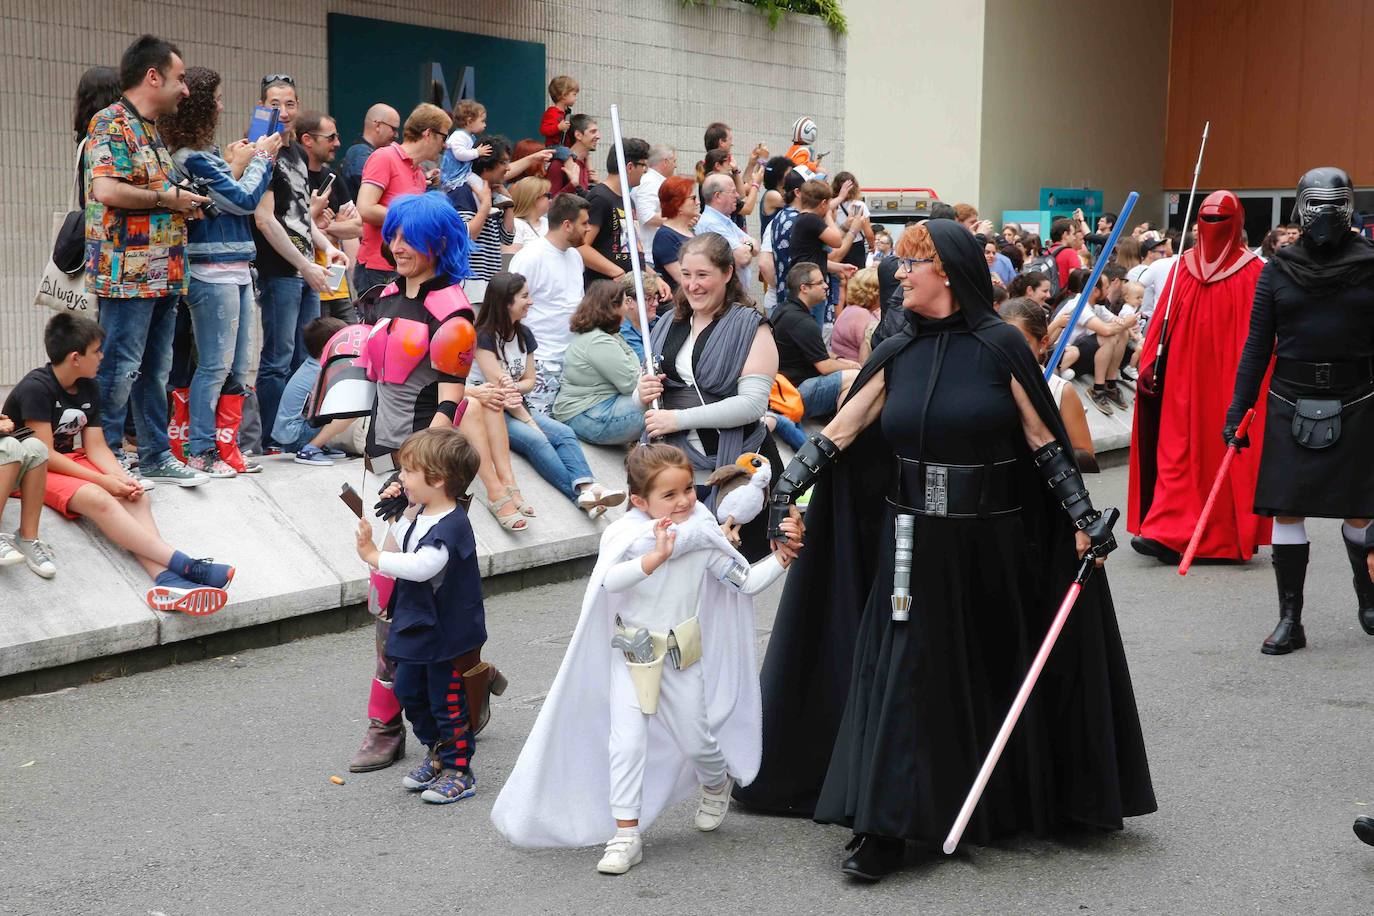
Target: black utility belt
(956, 490)
(1338, 376)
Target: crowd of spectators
(190, 246)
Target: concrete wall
(914, 94)
(1100, 125)
(672, 71)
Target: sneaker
(1067, 375)
(1100, 400)
(210, 464)
(204, 571)
(337, 454)
(271, 451)
(171, 592)
(9, 554)
(713, 805)
(127, 460)
(452, 786)
(423, 776)
(38, 554)
(250, 466)
(1130, 373)
(623, 852)
(313, 455)
(174, 471)
(1116, 397)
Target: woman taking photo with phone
(220, 296)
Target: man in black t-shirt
(289, 279)
(60, 402)
(606, 251)
(816, 239)
(334, 213)
(821, 379)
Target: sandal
(596, 499)
(513, 522)
(513, 492)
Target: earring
(946, 283)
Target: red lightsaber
(1196, 539)
(999, 744)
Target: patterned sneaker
(452, 786)
(9, 554)
(210, 464)
(423, 776)
(171, 592)
(127, 460)
(313, 455)
(334, 453)
(38, 555)
(173, 471)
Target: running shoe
(171, 592)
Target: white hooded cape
(559, 793)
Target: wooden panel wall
(1284, 83)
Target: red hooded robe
(1176, 444)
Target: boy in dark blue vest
(438, 624)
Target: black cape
(807, 671)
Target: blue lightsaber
(1091, 285)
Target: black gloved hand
(1099, 532)
(390, 508)
(1228, 434)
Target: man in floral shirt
(136, 250)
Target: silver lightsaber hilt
(901, 568)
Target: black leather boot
(1290, 571)
(1364, 588)
(874, 857)
(1152, 548)
(1364, 829)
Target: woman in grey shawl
(718, 362)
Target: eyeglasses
(813, 283)
(642, 163)
(909, 264)
(326, 137)
(271, 78)
(395, 128)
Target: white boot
(713, 805)
(623, 852)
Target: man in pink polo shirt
(390, 172)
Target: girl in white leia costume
(672, 708)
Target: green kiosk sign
(371, 60)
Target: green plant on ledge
(828, 10)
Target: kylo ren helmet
(1326, 203)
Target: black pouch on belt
(1316, 422)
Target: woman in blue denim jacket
(221, 247)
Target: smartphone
(328, 185)
(266, 120)
(335, 277)
(352, 499)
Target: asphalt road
(204, 789)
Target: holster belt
(956, 490)
(1337, 376)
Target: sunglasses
(278, 78)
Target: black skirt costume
(923, 700)
(1323, 337)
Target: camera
(202, 187)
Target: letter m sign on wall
(371, 60)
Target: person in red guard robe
(1175, 452)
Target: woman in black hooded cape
(922, 700)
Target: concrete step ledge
(291, 540)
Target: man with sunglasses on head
(381, 125)
(287, 239)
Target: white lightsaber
(631, 227)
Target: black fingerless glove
(1066, 483)
(816, 452)
(390, 508)
(1228, 435)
